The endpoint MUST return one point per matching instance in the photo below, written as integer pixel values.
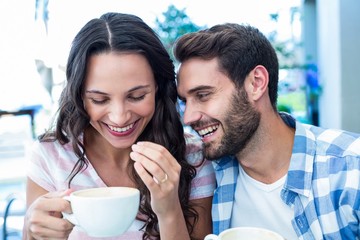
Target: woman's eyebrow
(95, 91)
(130, 90)
(138, 87)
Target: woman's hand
(160, 172)
(43, 219)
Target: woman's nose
(118, 114)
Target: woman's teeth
(123, 129)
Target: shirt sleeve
(39, 166)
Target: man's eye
(202, 96)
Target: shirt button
(298, 220)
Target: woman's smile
(122, 131)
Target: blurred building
(331, 36)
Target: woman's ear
(257, 82)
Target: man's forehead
(197, 68)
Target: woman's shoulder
(193, 143)
(47, 145)
(194, 149)
(52, 148)
(203, 185)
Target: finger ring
(162, 180)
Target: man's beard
(240, 123)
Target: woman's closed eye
(137, 98)
(98, 101)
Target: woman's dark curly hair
(116, 32)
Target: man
(273, 172)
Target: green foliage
(284, 108)
(295, 101)
(173, 24)
(288, 51)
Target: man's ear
(257, 82)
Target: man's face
(218, 111)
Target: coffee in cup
(245, 233)
(104, 212)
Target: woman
(117, 125)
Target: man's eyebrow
(199, 88)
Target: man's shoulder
(335, 142)
(225, 162)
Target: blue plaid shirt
(322, 186)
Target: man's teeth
(208, 130)
(117, 129)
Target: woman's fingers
(54, 204)
(160, 172)
(156, 153)
(145, 176)
(157, 160)
(53, 227)
(44, 218)
(153, 170)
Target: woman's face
(119, 96)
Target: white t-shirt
(259, 205)
(50, 164)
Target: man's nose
(191, 114)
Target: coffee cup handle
(69, 216)
(211, 237)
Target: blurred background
(317, 42)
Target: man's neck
(267, 156)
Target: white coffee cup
(245, 233)
(104, 212)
